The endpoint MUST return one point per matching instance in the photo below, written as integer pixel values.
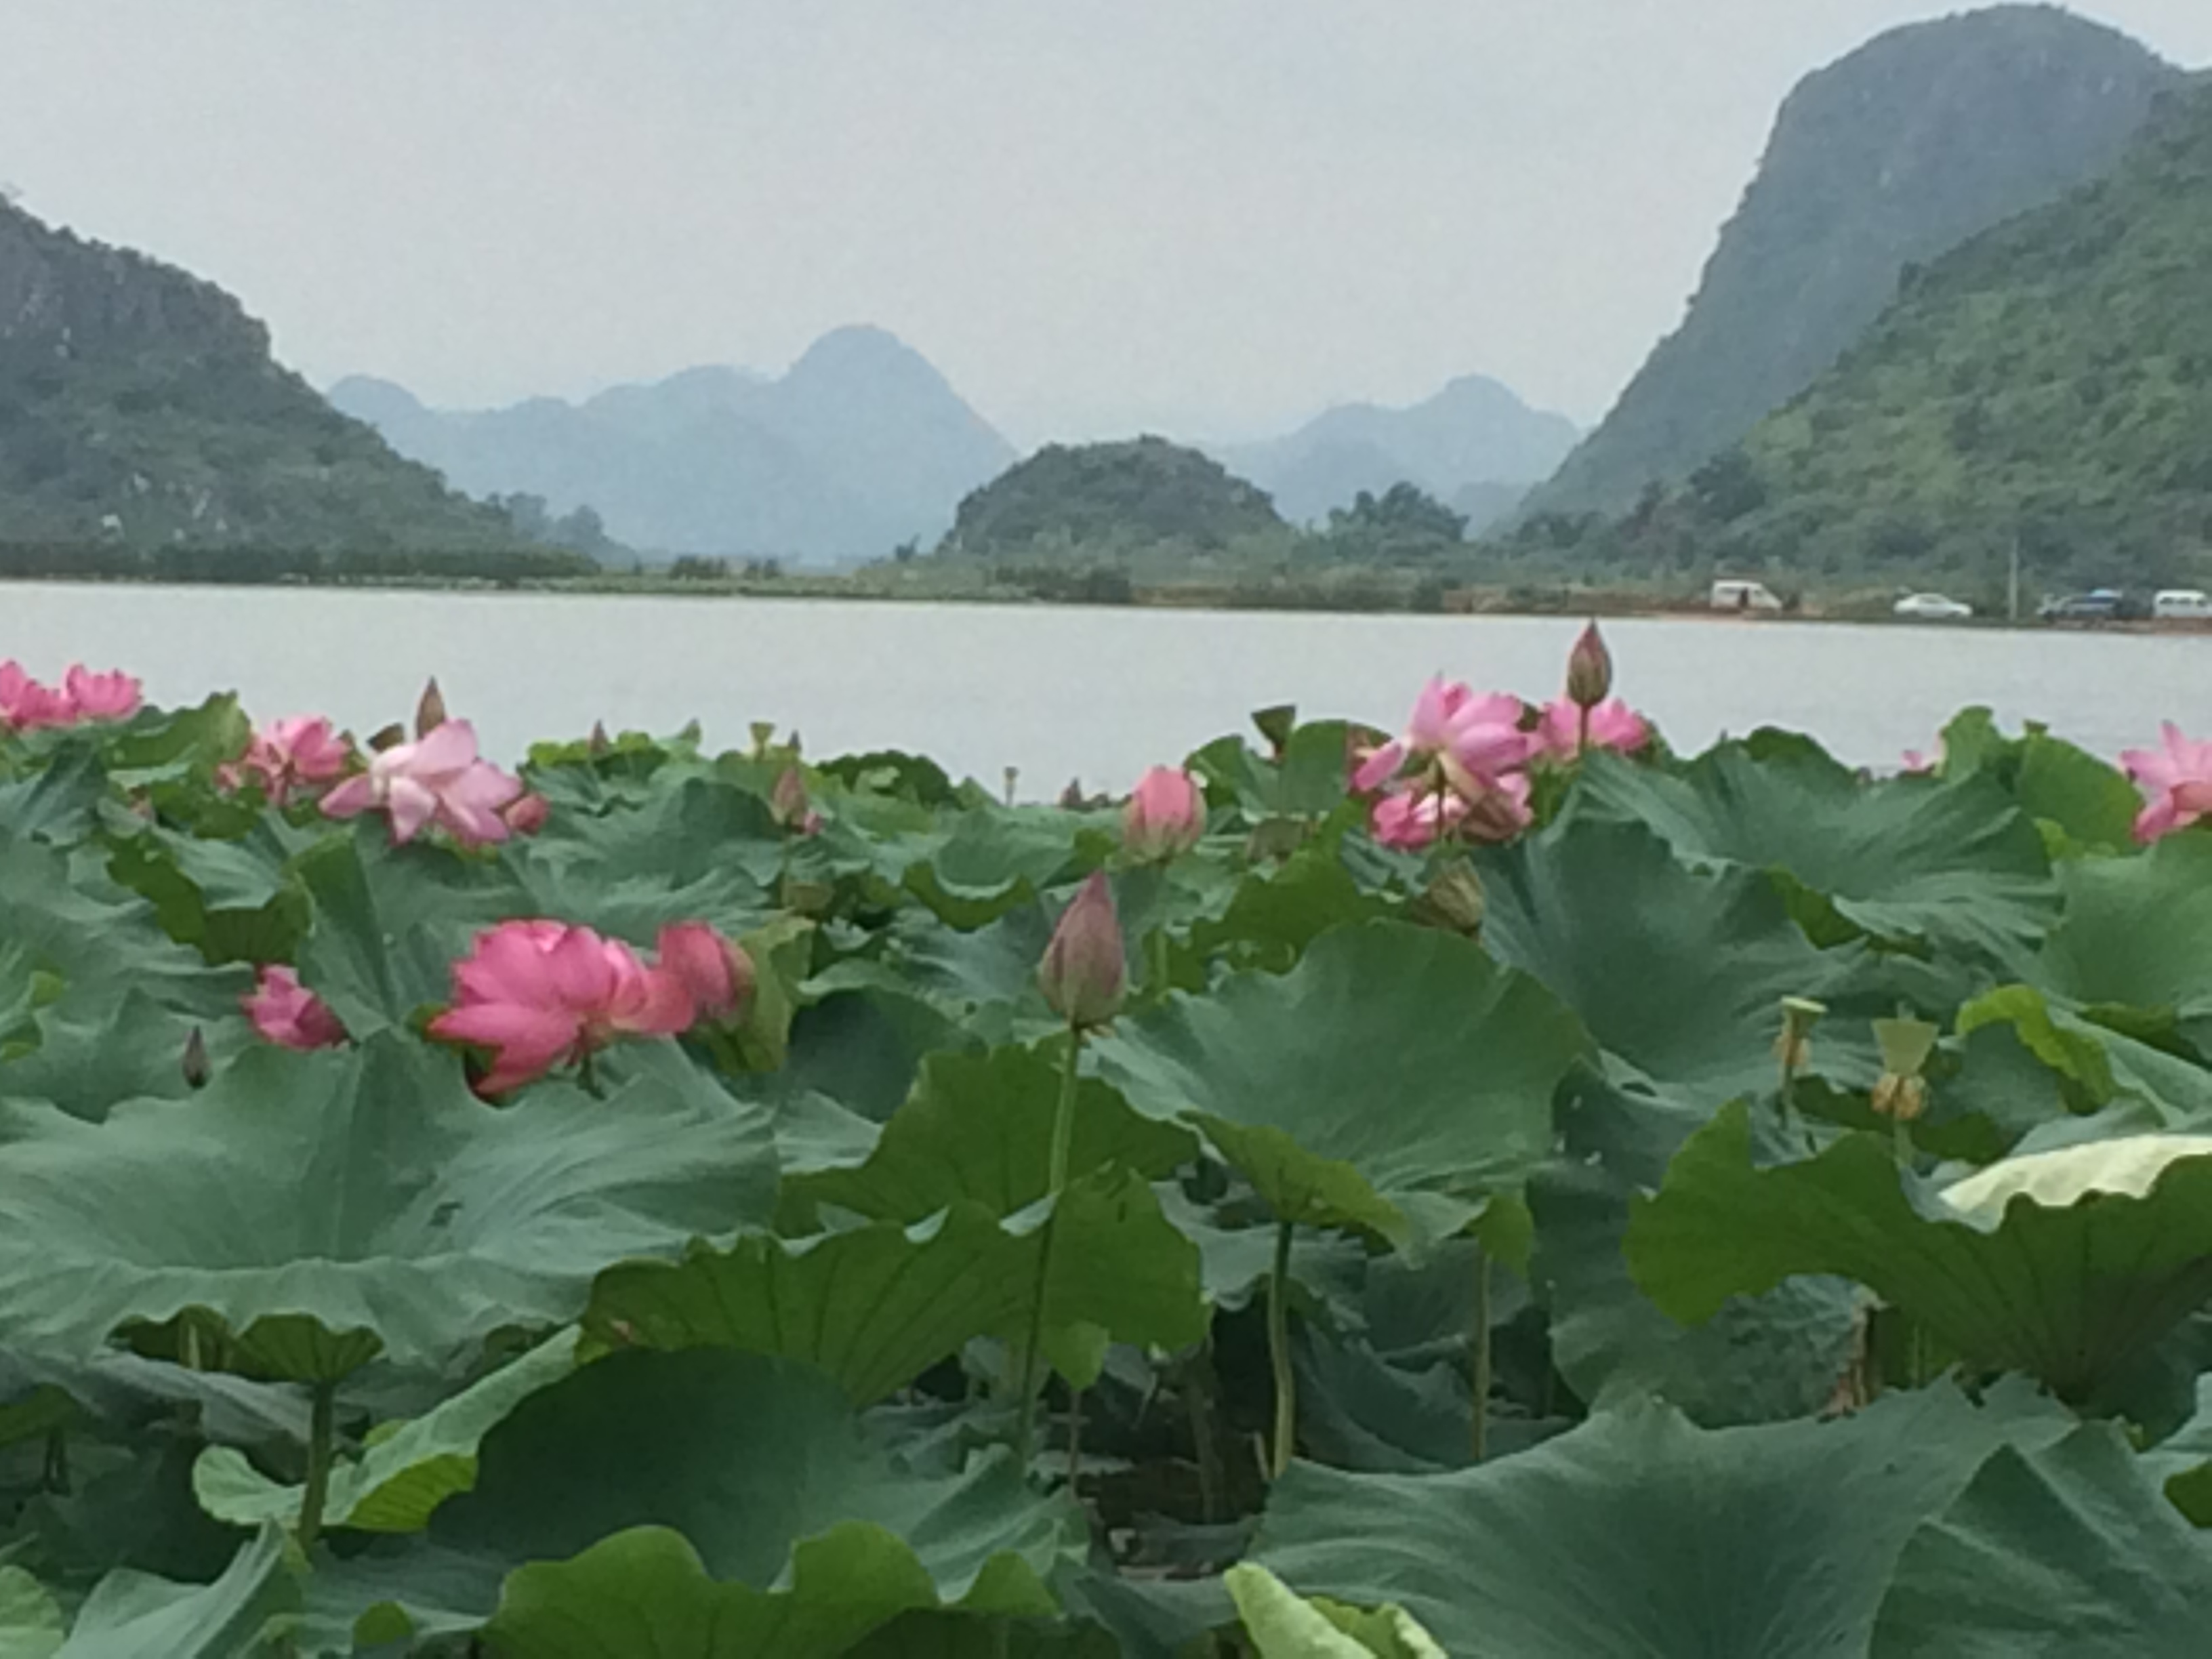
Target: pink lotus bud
(1165, 817)
(528, 814)
(1084, 973)
(287, 1013)
(718, 974)
(430, 712)
(1589, 670)
(599, 743)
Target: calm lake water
(1060, 693)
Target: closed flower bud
(197, 1068)
(1589, 670)
(718, 974)
(1165, 817)
(527, 815)
(1084, 973)
(599, 743)
(787, 800)
(430, 712)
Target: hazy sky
(1209, 216)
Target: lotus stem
(1063, 1145)
(1479, 1443)
(1279, 1354)
(319, 1452)
(1074, 1437)
(1205, 1443)
(1158, 951)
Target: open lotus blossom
(112, 696)
(539, 994)
(1470, 739)
(1918, 764)
(718, 974)
(438, 779)
(1165, 817)
(1412, 818)
(25, 705)
(1611, 724)
(2178, 774)
(289, 1015)
(291, 754)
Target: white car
(1933, 607)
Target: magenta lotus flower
(2178, 775)
(289, 1015)
(437, 779)
(1084, 972)
(1411, 819)
(111, 696)
(528, 814)
(25, 705)
(1613, 725)
(718, 974)
(1472, 739)
(539, 994)
(1165, 817)
(294, 753)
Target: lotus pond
(1505, 1191)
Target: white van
(2182, 605)
(1744, 596)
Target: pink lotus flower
(1613, 725)
(1471, 738)
(787, 803)
(25, 705)
(2179, 775)
(1084, 973)
(110, 697)
(287, 1014)
(1165, 817)
(718, 974)
(1411, 819)
(293, 753)
(1918, 764)
(539, 995)
(436, 779)
(528, 814)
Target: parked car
(1732, 595)
(1933, 607)
(2098, 605)
(2182, 605)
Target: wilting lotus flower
(1165, 817)
(1467, 737)
(1611, 724)
(438, 778)
(289, 754)
(289, 1015)
(1084, 973)
(2179, 775)
(1589, 670)
(539, 995)
(111, 696)
(717, 973)
(787, 802)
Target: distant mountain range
(1925, 136)
(861, 447)
(140, 408)
(1476, 445)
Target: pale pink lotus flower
(1471, 738)
(1916, 764)
(2178, 776)
(437, 777)
(25, 705)
(1613, 725)
(293, 753)
(114, 696)
(287, 1013)
(539, 995)
(717, 973)
(1084, 973)
(1165, 817)
(1410, 819)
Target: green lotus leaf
(2061, 1549)
(2095, 1064)
(2082, 803)
(1283, 1625)
(876, 1306)
(1395, 1080)
(2066, 1264)
(979, 1127)
(242, 1615)
(994, 860)
(1638, 1534)
(1678, 976)
(58, 804)
(863, 1047)
(313, 1211)
(1953, 867)
(403, 1473)
(31, 1625)
(717, 1505)
(229, 900)
(2137, 935)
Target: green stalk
(1279, 1354)
(320, 1450)
(1074, 1437)
(1479, 1442)
(1205, 1443)
(1063, 1143)
(1157, 950)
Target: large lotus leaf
(376, 1599)
(964, 1636)
(405, 1471)
(230, 899)
(717, 1505)
(31, 1624)
(1283, 1625)
(2082, 803)
(876, 1306)
(2066, 1264)
(1951, 866)
(995, 860)
(1637, 1534)
(2137, 935)
(1678, 975)
(2064, 1549)
(1393, 1081)
(1272, 915)
(978, 1128)
(2095, 1065)
(863, 1047)
(2184, 1461)
(240, 1616)
(317, 1209)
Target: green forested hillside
(1109, 497)
(2051, 380)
